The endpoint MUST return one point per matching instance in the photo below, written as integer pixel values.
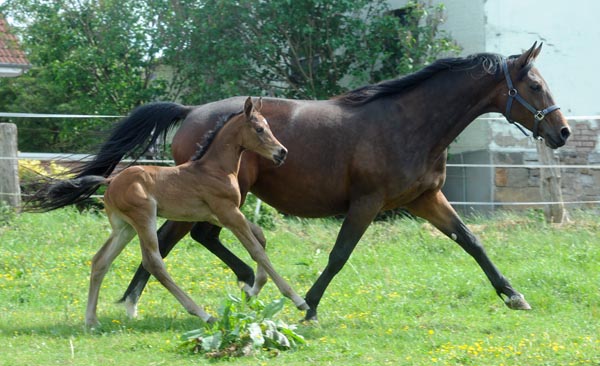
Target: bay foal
(203, 189)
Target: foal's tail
(62, 193)
(133, 136)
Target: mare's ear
(248, 106)
(530, 55)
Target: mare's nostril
(565, 132)
(283, 151)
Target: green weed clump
(245, 327)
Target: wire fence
(74, 158)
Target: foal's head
(256, 134)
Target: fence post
(10, 191)
(550, 185)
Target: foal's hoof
(211, 320)
(248, 290)
(303, 306)
(92, 324)
(517, 302)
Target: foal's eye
(260, 129)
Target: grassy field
(408, 296)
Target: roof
(12, 58)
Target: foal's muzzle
(279, 156)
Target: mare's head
(526, 98)
(256, 134)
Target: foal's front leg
(261, 274)
(234, 220)
(434, 207)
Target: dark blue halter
(513, 94)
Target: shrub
(267, 216)
(245, 327)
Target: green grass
(408, 296)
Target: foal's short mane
(487, 63)
(210, 136)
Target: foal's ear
(248, 106)
(259, 104)
(530, 55)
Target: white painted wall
(570, 31)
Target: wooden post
(10, 191)
(550, 185)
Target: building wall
(569, 31)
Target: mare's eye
(535, 87)
(260, 129)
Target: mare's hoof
(517, 302)
(131, 308)
(311, 316)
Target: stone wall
(508, 146)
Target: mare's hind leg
(434, 207)
(169, 234)
(122, 233)
(234, 220)
(153, 262)
(208, 235)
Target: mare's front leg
(434, 207)
(233, 219)
(360, 215)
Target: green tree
(311, 49)
(108, 56)
(89, 57)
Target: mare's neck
(449, 102)
(224, 153)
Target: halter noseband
(513, 94)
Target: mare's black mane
(485, 63)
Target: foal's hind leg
(122, 233)
(168, 235)
(434, 207)
(153, 262)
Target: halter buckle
(512, 92)
(539, 115)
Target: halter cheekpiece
(513, 94)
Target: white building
(570, 32)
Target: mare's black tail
(133, 136)
(60, 193)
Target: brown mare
(376, 148)
(202, 189)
